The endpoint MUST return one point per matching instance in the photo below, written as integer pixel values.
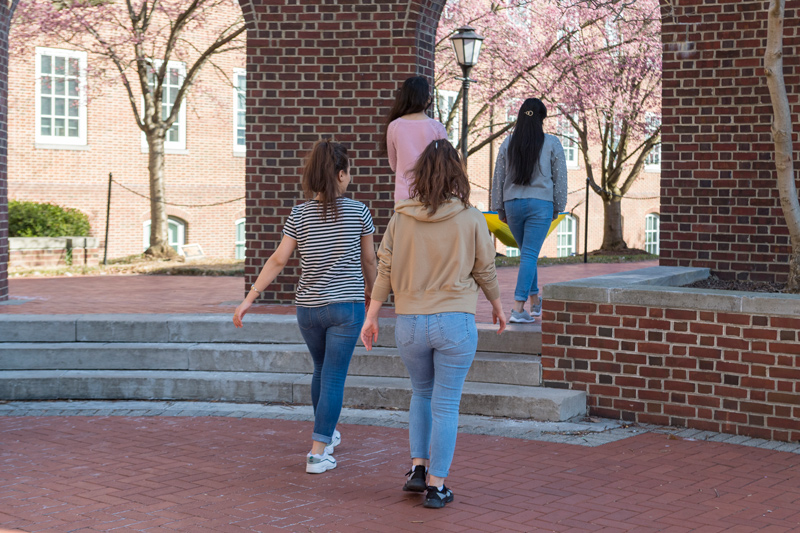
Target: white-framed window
(652, 225)
(239, 108)
(60, 96)
(653, 161)
(512, 252)
(445, 100)
(565, 237)
(241, 239)
(569, 140)
(173, 80)
(176, 233)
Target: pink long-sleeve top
(405, 140)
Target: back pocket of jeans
(455, 327)
(404, 330)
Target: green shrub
(31, 219)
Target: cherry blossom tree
(134, 41)
(613, 102)
(596, 63)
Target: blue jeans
(437, 351)
(330, 332)
(529, 220)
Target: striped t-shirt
(330, 251)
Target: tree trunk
(782, 136)
(159, 240)
(612, 225)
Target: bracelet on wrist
(253, 288)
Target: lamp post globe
(467, 47)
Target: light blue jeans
(529, 220)
(437, 351)
(331, 333)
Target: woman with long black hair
(409, 131)
(529, 190)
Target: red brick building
(62, 147)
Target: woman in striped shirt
(334, 236)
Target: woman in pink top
(409, 131)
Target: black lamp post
(467, 46)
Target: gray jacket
(549, 181)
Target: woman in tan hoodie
(435, 255)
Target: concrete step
(489, 399)
(208, 328)
(502, 368)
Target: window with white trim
(176, 233)
(512, 252)
(565, 237)
(173, 80)
(653, 161)
(239, 108)
(60, 96)
(241, 239)
(652, 240)
(445, 100)
(569, 140)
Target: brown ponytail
(321, 174)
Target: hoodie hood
(414, 208)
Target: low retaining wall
(646, 350)
(49, 252)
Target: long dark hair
(412, 97)
(527, 140)
(321, 174)
(439, 175)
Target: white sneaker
(317, 464)
(536, 310)
(336, 440)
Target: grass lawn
(138, 264)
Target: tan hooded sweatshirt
(435, 263)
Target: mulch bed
(733, 285)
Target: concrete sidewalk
(198, 294)
(222, 468)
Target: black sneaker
(416, 483)
(436, 499)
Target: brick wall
(706, 369)
(720, 206)
(54, 258)
(208, 171)
(5, 19)
(323, 70)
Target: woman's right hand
(498, 315)
(240, 312)
(369, 332)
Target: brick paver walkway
(214, 474)
(197, 294)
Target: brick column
(719, 201)
(5, 19)
(323, 69)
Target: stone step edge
(513, 401)
(282, 329)
(487, 367)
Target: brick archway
(314, 69)
(323, 70)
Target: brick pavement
(198, 294)
(215, 474)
